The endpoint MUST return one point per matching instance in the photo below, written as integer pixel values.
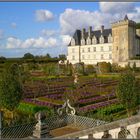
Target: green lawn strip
(31, 107)
(57, 102)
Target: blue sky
(46, 27)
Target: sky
(47, 27)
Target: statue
(76, 79)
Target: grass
(51, 100)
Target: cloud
(44, 15)
(65, 39)
(48, 32)
(13, 25)
(108, 12)
(71, 20)
(117, 7)
(40, 42)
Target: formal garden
(29, 86)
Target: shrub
(90, 69)
(104, 67)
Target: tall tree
(11, 88)
(62, 57)
(28, 56)
(128, 92)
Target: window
(88, 56)
(101, 39)
(94, 49)
(102, 56)
(73, 50)
(88, 49)
(94, 40)
(73, 57)
(110, 56)
(83, 42)
(110, 48)
(88, 41)
(83, 50)
(94, 56)
(102, 49)
(83, 57)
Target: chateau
(118, 45)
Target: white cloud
(48, 32)
(71, 20)
(13, 25)
(108, 12)
(44, 15)
(13, 42)
(117, 7)
(65, 39)
(40, 42)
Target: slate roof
(97, 34)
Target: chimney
(83, 33)
(89, 31)
(102, 29)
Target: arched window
(106, 135)
(123, 133)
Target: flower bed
(98, 105)
(96, 99)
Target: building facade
(116, 45)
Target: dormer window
(73, 42)
(109, 38)
(88, 41)
(101, 39)
(82, 41)
(94, 40)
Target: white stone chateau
(116, 45)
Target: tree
(28, 56)
(104, 67)
(2, 59)
(127, 92)
(62, 57)
(11, 88)
(48, 55)
(138, 26)
(134, 66)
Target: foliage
(62, 57)
(32, 108)
(127, 91)
(11, 88)
(2, 59)
(138, 26)
(134, 66)
(90, 69)
(104, 67)
(28, 56)
(106, 113)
